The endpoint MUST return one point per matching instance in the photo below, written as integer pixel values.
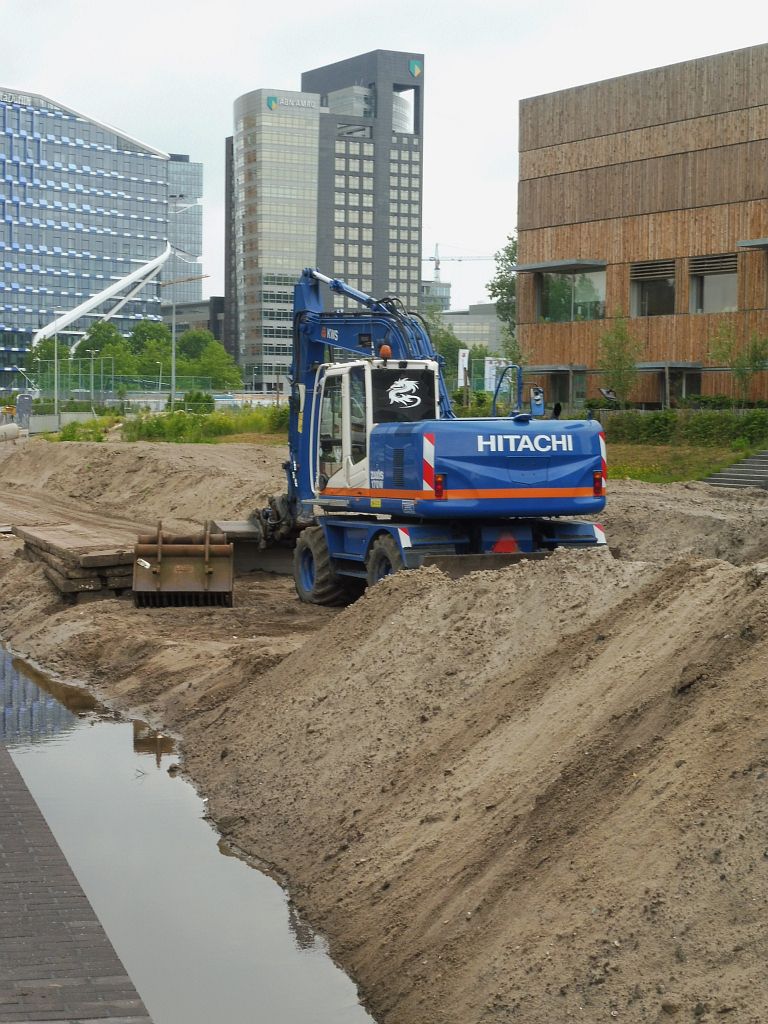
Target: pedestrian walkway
(56, 962)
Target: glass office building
(185, 229)
(81, 206)
(329, 177)
(274, 223)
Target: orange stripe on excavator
(520, 492)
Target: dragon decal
(404, 393)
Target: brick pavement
(56, 962)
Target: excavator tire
(313, 575)
(384, 558)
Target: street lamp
(178, 205)
(92, 352)
(166, 284)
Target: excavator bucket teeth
(189, 570)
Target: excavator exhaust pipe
(183, 570)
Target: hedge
(705, 429)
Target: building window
(713, 284)
(652, 288)
(568, 297)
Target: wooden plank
(117, 556)
(76, 572)
(69, 586)
(76, 546)
(63, 568)
(114, 582)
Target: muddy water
(203, 936)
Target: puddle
(203, 936)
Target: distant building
(478, 325)
(329, 177)
(81, 204)
(435, 295)
(185, 229)
(205, 315)
(645, 195)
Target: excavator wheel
(316, 582)
(384, 558)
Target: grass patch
(190, 427)
(254, 438)
(664, 464)
(90, 430)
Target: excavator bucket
(183, 569)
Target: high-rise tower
(332, 177)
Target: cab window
(358, 419)
(331, 437)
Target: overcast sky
(168, 71)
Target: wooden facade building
(645, 196)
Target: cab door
(342, 458)
(357, 418)
(330, 447)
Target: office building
(646, 195)
(329, 176)
(204, 315)
(185, 230)
(81, 205)
(476, 325)
(435, 295)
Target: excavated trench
(203, 935)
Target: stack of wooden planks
(78, 560)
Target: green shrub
(196, 427)
(709, 429)
(91, 430)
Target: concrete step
(737, 476)
(751, 472)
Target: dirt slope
(535, 795)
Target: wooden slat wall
(712, 132)
(703, 178)
(679, 92)
(660, 236)
(683, 339)
(665, 164)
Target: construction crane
(437, 259)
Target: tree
(215, 362)
(444, 340)
(146, 331)
(511, 348)
(743, 360)
(99, 335)
(503, 287)
(191, 344)
(619, 352)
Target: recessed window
(714, 285)
(567, 297)
(652, 288)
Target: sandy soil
(534, 795)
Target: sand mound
(537, 794)
(147, 481)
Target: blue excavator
(382, 475)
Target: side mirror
(537, 401)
